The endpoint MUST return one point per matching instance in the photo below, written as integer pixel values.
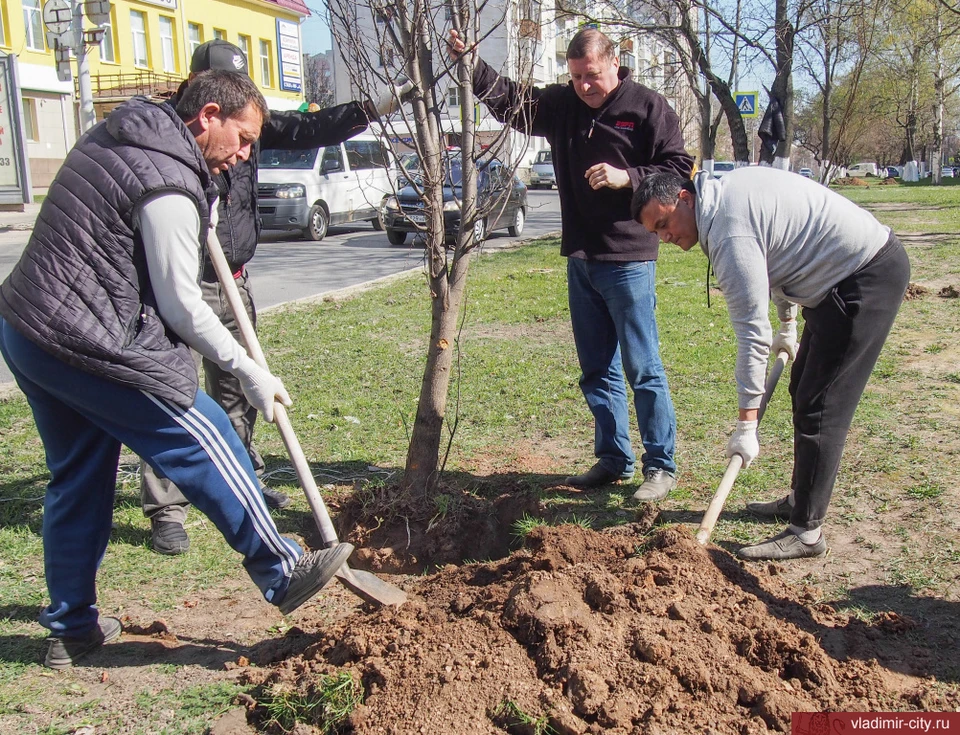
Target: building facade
(145, 49)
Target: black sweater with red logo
(635, 129)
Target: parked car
(893, 172)
(807, 172)
(499, 191)
(311, 189)
(723, 167)
(948, 172)
(542, 173)
(864, 168)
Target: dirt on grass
(607, 632)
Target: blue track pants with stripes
(83, 419)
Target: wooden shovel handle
(280, 418)
(736, 461)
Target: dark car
(502, 195)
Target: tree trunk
(782, 87)
(421, 473)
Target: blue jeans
(82, 420)
(612, 309)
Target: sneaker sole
(343, 552)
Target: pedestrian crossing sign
(747, 103)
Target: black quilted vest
(81, 289)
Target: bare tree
(318, 80)
(383, 43)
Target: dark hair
(232, 91)
(591, 40)
(664, 186)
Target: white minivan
(311, 189)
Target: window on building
(194, 37)
(33, 25)
(219, 34)
(453, 96)
(3, 26)
(244, 43)
(266, 64)
(108, 46)
(138, 29)
(168, 46)
(30, 127)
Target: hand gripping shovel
(363, 584)
(736, 461)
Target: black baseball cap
(218, 54)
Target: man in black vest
(238, 230)
(97, 323)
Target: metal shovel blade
(370, 587)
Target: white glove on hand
(262, 388)
(389, 101)
(744, 442)
(786, 340)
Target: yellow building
(145, 49)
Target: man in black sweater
(238, 230)
(607, 133)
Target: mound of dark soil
(604, 633)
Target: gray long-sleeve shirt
(767, 230)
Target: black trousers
(841, 341)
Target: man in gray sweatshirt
(769, 231)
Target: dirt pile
(603, 632)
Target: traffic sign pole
(88, 116)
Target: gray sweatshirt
(766, 230)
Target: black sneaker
(598, 475)
(274, 498)
(314, 569)
(62, 653)
(657, 484)
(169, 537)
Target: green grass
(354, 370)
(329, 702)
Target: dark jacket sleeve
(667, 149)
(301, 130)
(530, 110)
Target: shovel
(736, 461)
(363, 584)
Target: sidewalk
(19, 220)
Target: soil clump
(602, 632)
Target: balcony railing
(107, 87)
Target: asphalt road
(287, 268)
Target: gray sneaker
(657, 484)
(62, 653)
(274, 498)
(786, 545)
(779, 510)
(598, 475)
(313, 570)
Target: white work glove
(261, 387)
(786, 339)
(744, 442)
(389, 101)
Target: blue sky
(314, 32)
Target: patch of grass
(523, 526)
(511, 716)
(326, 705)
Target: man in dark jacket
(607, 133)
(97, 322)
(238, 230)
